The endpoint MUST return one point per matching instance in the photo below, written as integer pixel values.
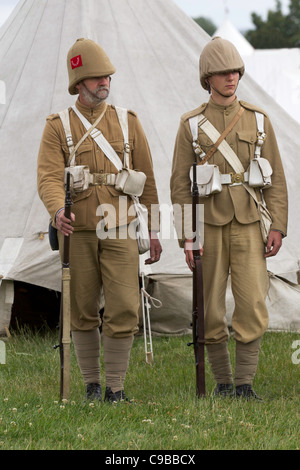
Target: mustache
(102, 87)
(99, 88)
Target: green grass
(166, 415)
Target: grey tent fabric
(155, 48)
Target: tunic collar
(90, 113)
(231, 107)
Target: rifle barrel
(198, 301)
(65, 308)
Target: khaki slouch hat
(86, 59)
(219, 56)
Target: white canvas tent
(155, 48)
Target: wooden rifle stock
(198, 300)
(65, 307)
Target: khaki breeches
(111, 265)
(238, 249)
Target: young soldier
(96, 263)
(232, 237)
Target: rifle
(198, 301)
(65, 310)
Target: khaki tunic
(109, 264)
(54, 154)
(233, 201)
(232, 237)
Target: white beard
(96, 97)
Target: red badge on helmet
(76, 62)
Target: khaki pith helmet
(219, 56)
(86, 59)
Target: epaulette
(52, 116)
(252, 107)
(194, 112)
(133, 113)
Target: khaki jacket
(233, 201)
(54, 154)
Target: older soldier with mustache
(107, 264)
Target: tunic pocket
(245, 146)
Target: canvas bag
(260, 170)
(142, 232)
(128, 181)
(208, 179)
(207, 175)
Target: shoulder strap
(97, 135)
(194, 122)
(222, 146)
(261, 135)
(65, 118)
(215, 136)
(101, 141)
(122, 114)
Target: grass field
(164, 413)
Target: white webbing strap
(261, 136)
(224, 148)
(193, 122)
(122, 114)
(65, 119)
(101, 141)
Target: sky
(239, 11)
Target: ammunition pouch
(260, 172)
(208, 179)
(130, 182)
(79, 177)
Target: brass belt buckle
(237, 178)
(100, 179)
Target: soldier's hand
(63, 224)
(155, 249)
(189, 252)
(274, 243)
